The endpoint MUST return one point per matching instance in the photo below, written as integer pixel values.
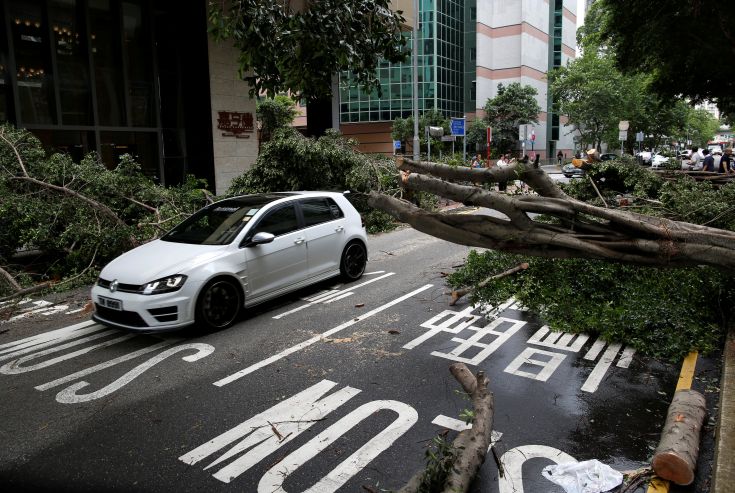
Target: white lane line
(74, 311)
(456, 425)
(373, 273)
(309, 342)
(331, 294)
(594, 351)
(598, 372)
(626, 357)
(340, 297)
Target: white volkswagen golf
(232, 254)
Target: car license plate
(110, 303)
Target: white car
(231, 255)
(658, 161)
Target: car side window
(279, 222)
(320, 210)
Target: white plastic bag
(590, 476)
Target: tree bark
(459, 293)
(571, 228)
(675, 458)
(471, 444)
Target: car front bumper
(147, 313)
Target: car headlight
(165, 285)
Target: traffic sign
(639, 137)
(396, 144)
(457, 126)
(623, 135)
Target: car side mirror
(260, 239)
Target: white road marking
(75, 311)
(558, 340)
(340, 297)
(458, 425)
(272, 481)
(30, 344)
(373, 273)
(446, 321)
(15, 367)
(331, 294)
(626, 358)
(256, 438)
(547, 367)
(106, 364)
(595, 350)
(309, 342)
(598, 372)
(513, 459)
(69, 395)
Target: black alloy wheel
(353, 262)
(219, 304)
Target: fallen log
(459, 293)
(675, 458)
(471, 445)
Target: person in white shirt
(696, 159)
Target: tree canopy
(284, 49)
(685, 45)
(513, 106)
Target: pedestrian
(477, 161)
(559, 157)
(717, 156)
(708, 163)
(726, 162)
(696, 159)
(502, 163)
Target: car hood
(159, 259)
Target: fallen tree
(569, 228)
(469, 448)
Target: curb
(723, 476)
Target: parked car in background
(645, 157)
(658, 161)
(608, 156)
(570, 171)
(232, 255)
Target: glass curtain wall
(556, 21)
(83, 75)
(441, 59)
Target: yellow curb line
(658, 485)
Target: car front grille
(123, 288)
(165, 314)
(131, 319)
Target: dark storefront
(113, 77)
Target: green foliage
(43, 209)
(298, 52)
(275, 113)
(514, 105)
(661, 312)
(439, 460)
(672, 44)
(291, 161)
(403, 130)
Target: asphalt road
(332, 388)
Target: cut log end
(671, 466)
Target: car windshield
(219, 223)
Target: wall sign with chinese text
(235, 124)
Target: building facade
(467, 48)
(127, 76)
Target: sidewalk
(724, 467)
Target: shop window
(104, 34)
(137, 47)
(75, 144)
(143, 146)
(33, 63)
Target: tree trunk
(676, 456)
(471, 444)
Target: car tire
(354, 259)
(219, 304)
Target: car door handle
(339, 229)
(298, 241)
